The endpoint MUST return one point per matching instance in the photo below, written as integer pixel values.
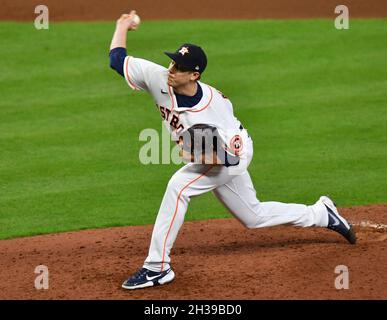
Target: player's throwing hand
(128, 21)
(125, 23)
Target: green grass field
(313, 98)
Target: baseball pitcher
(217, 150)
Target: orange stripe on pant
(174, 214)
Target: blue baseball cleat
(146, 278)
(338, 223)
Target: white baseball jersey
(235, 191)
(213, 109)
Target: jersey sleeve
(138, 72)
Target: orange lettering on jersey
(162, 112)
(168, 113)
(174, 122)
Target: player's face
(179, 76)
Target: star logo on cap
(183, 51)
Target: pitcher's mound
(216, 259)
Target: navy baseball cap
(190, 56)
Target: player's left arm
(202, 143)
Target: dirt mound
(216, 259)
(200, 9)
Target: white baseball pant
(236, 192)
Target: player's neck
(189, 89)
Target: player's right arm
(118, 45)
(137, 72)
(123, 25)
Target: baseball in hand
(136, 20)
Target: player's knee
(250, 223)
(177, 189)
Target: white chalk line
(369, 224)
